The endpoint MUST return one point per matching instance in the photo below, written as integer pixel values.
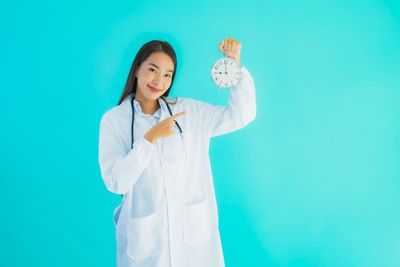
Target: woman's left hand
(231, 48)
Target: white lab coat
(168, 215)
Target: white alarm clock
(226, 72)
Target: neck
(147, 106)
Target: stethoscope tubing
(133, 118)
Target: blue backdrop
(313, 181)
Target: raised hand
(231, 48)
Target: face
(154, 76)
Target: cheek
(143, 78)
(167, 83)
(146, 75)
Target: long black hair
(144, 52)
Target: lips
(154, 90)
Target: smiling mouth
(154, 90)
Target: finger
(236, 49)
(233, 47)
(227, 45)
(221, 46)
(230, 43)
(178, 114)
(224, 46)
(233, 50)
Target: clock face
(225, 72)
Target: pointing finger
(178, 114)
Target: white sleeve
(120, 169)
(240, 111)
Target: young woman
(154, 152)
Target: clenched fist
(231, 48)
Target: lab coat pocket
(143, 237)
(196, 222)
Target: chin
(153, 96)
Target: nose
(156, 80)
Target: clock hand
(226, 72)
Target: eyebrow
(158, 67)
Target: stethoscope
(133, 117)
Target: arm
(120, 169)
(240, 111)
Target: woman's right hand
(163, 129)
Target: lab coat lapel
(172, 147)
(164, 109)
(163, 114)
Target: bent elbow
(114, 185)
(250, 116)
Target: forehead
(161, 59)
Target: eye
(151, 69)
(168, 75)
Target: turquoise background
(313, 181)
